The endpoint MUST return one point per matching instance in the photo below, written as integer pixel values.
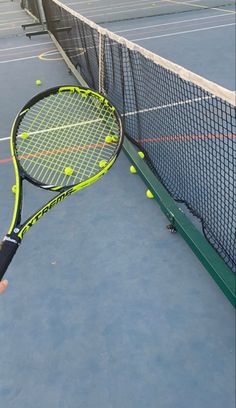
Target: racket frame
(17, 230)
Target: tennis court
(107, 308)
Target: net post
(101, 63)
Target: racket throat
(13, 237)
(32, 220)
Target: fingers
(3, 285)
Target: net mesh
(185, 124)
(32, 6)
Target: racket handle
(7, 251)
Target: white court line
(4, 138)
(106, 7)
(16, 21)
(169, 105)
(142, 39)
(25, 46)
(4, 4)
(153, 109)
(91, 16)
(123, 6)
(86, 122)
(19, 59)
(16, 18)
(173, 22)
(120, 31)
(182, 32)
(11, 12)
(15, 26)
(82, 2)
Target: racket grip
(7, 252)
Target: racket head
(66, 136)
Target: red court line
(177, 138)
(65, 149)
(49, 152)
(2, 161)
(56, 151)
(146, 140)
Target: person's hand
(3, 286)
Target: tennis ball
(132, 170)
(141, 154)
(102, 163)
(115, 139)
(69, 171)
(108, 139)
(13, 189)
(24, 135)
(149, 194)
(38, 82)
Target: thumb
(3, 285)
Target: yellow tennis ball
(141, 154)
(13, 189)
(102, 163)
(115, 139)
(69, 171)
(38, 82)
(149, 194)
(132, 170)
(108, 139)
(24, 135)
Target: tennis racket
(63, 140)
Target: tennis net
(185, 124)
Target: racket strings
(58, 146)
(36, 137)
(66, 130)
(44, 133)
(40, 117)
(35, 141)
(40, 128)
(91, 157)
(83, 139)
(102, 151)
(65, 157)
(67, 153)
(35, 121)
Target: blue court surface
(105, 307)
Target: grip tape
(7, 252)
